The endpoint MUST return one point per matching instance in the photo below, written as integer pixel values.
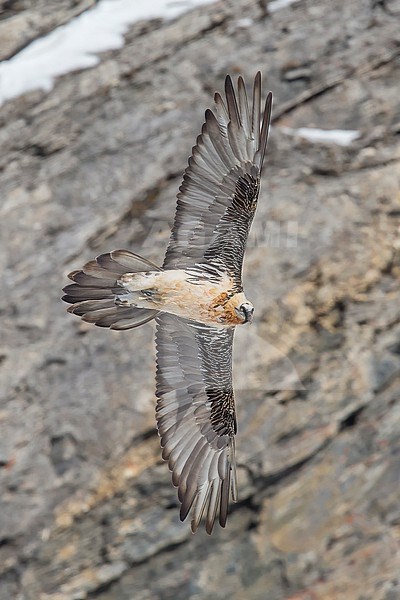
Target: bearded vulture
(196, 299)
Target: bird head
(245, 311)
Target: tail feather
(78, 293)
(89, 306)
(97, 297)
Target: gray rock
(87, 508)
(22, 22)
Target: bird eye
(147, 293)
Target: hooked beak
(248, 314)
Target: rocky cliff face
(87, 509)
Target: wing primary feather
(233, 109)
(187, 502)
(259, 158)
(221, 107)
(225, 489)
(232, 461)
(237, 141)
(236, 127)
(213, 505)
(244, 107)
(201, 503)
(255, 123)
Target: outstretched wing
(196, 415)
(218, 195)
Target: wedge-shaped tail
(98, 298)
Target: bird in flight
(196, 299)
